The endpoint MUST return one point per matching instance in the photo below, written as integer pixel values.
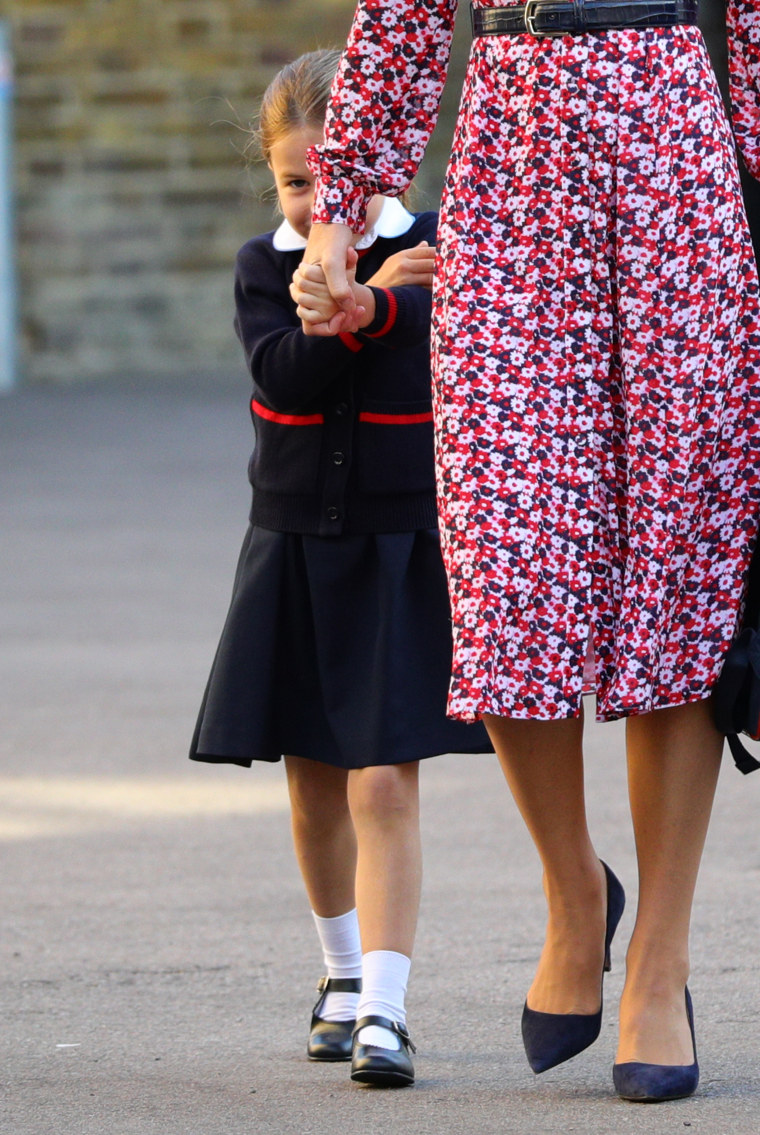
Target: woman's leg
(323, 834)
(543, 764)
(673, 763)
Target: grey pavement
(157, 960)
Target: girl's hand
(410, 266)
(330, 247)
(309, 292)
(315, 305)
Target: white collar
(394, 220)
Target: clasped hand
(328, 298)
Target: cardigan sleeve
(383, 106)
(402, 313)
(402, 317)
(288, 367)
(743, 22)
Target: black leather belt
(575, 17)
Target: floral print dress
(596, 345)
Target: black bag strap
(743, 759)
(752, 601)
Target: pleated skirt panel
(336, 650)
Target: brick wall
(131, 194)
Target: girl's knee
(315, 788)
(384, 790)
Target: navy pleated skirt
(337, 650)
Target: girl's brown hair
(296, 97)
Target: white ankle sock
(385, 975)
(342, 951)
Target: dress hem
(601, 716)
(403, 759)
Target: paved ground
(157, 962)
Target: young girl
(336, 649)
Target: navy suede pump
(553, 1038)
(656, 1083)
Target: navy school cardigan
(343, 425)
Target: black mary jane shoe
(383, 1067)
(552, 1038)
(331, 1040)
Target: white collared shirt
(394, 220)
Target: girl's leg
(384, 803)
(543, 765)
(323, 834)
(325, 846)
(673, 763)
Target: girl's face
(293, 179)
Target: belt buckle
(530, 11)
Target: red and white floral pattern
(596, 345)
(743, 19)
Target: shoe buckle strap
(403, 1032)
(396, 1027)
(339, 985)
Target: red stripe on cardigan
(392, 313)
(396, 419)
(350, 341)
(286, 419)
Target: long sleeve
(743, 21)
(402, 317)
(402, 313)
(290, 368)
(384, 105)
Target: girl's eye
(298, 183)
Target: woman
(596, 342)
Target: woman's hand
(330, 247)
(315, 306)
(409, 266)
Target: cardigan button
(333, 513)
(341, 408)
(338, 458)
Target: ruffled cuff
(339, 201)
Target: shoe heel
(615, 908)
